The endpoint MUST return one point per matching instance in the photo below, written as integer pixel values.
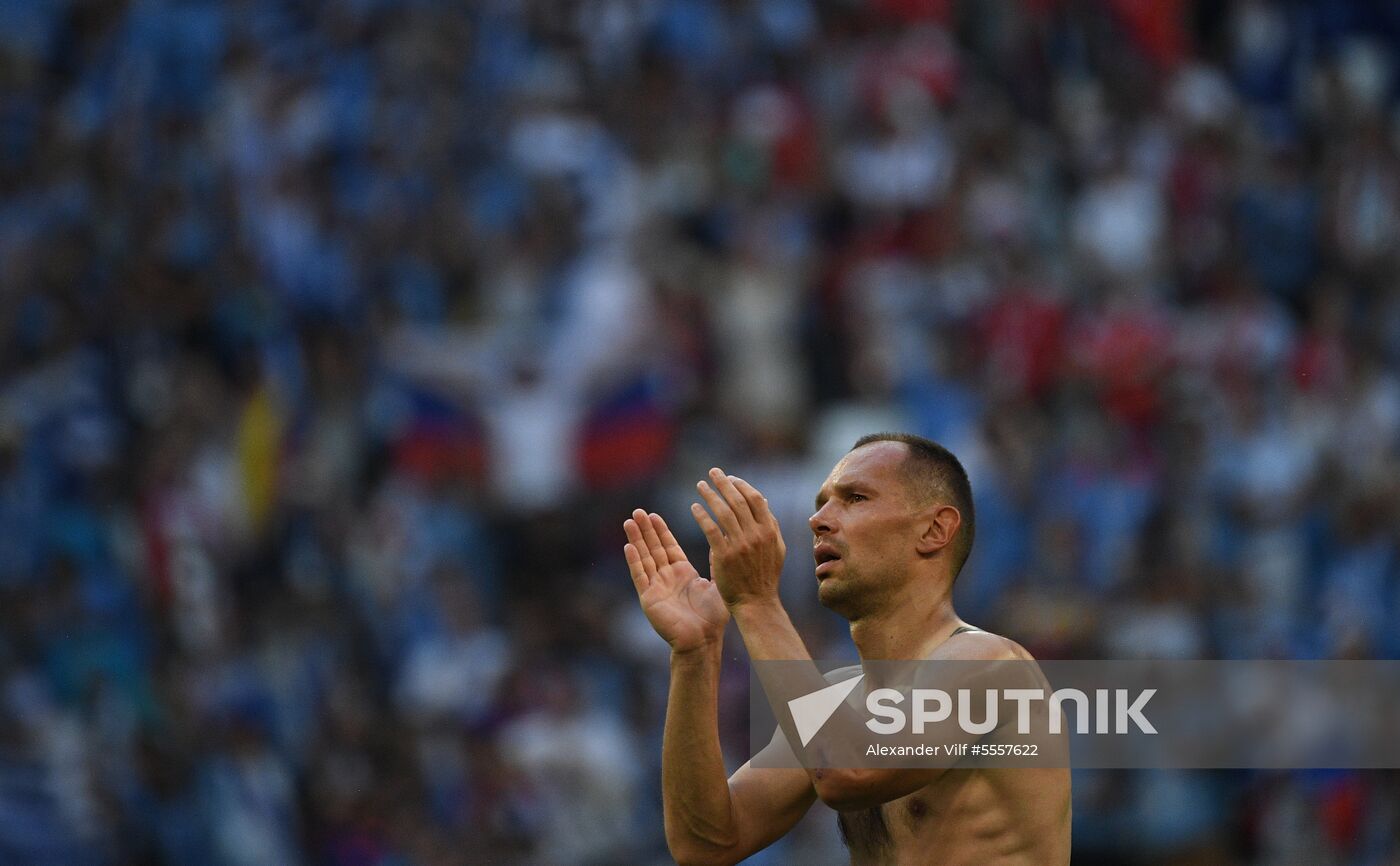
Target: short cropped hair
(931, 472)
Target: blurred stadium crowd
(339, 339)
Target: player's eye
(856, 497)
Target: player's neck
(911, 626)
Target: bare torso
(985, 816)
(968, 817)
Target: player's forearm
(768, 632)
(699, 816)
(770, 635)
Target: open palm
(683, 607)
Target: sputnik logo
(811, 711)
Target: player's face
(863, 531)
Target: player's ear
(938, 529)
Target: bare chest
(963, 818)
(877, 836)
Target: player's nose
(821, 521)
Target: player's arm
(708, 819)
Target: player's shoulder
(976, 644)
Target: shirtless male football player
(893, 526)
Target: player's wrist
(756, 605)
(702, 652)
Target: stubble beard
(844, 594)
(855, 594)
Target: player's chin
(834, 593)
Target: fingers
(674, 553)
(720, 506)
(639, 545)
(758, 504)
(725, 485)
(653, 541)
(707, 525)
(635, 568)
